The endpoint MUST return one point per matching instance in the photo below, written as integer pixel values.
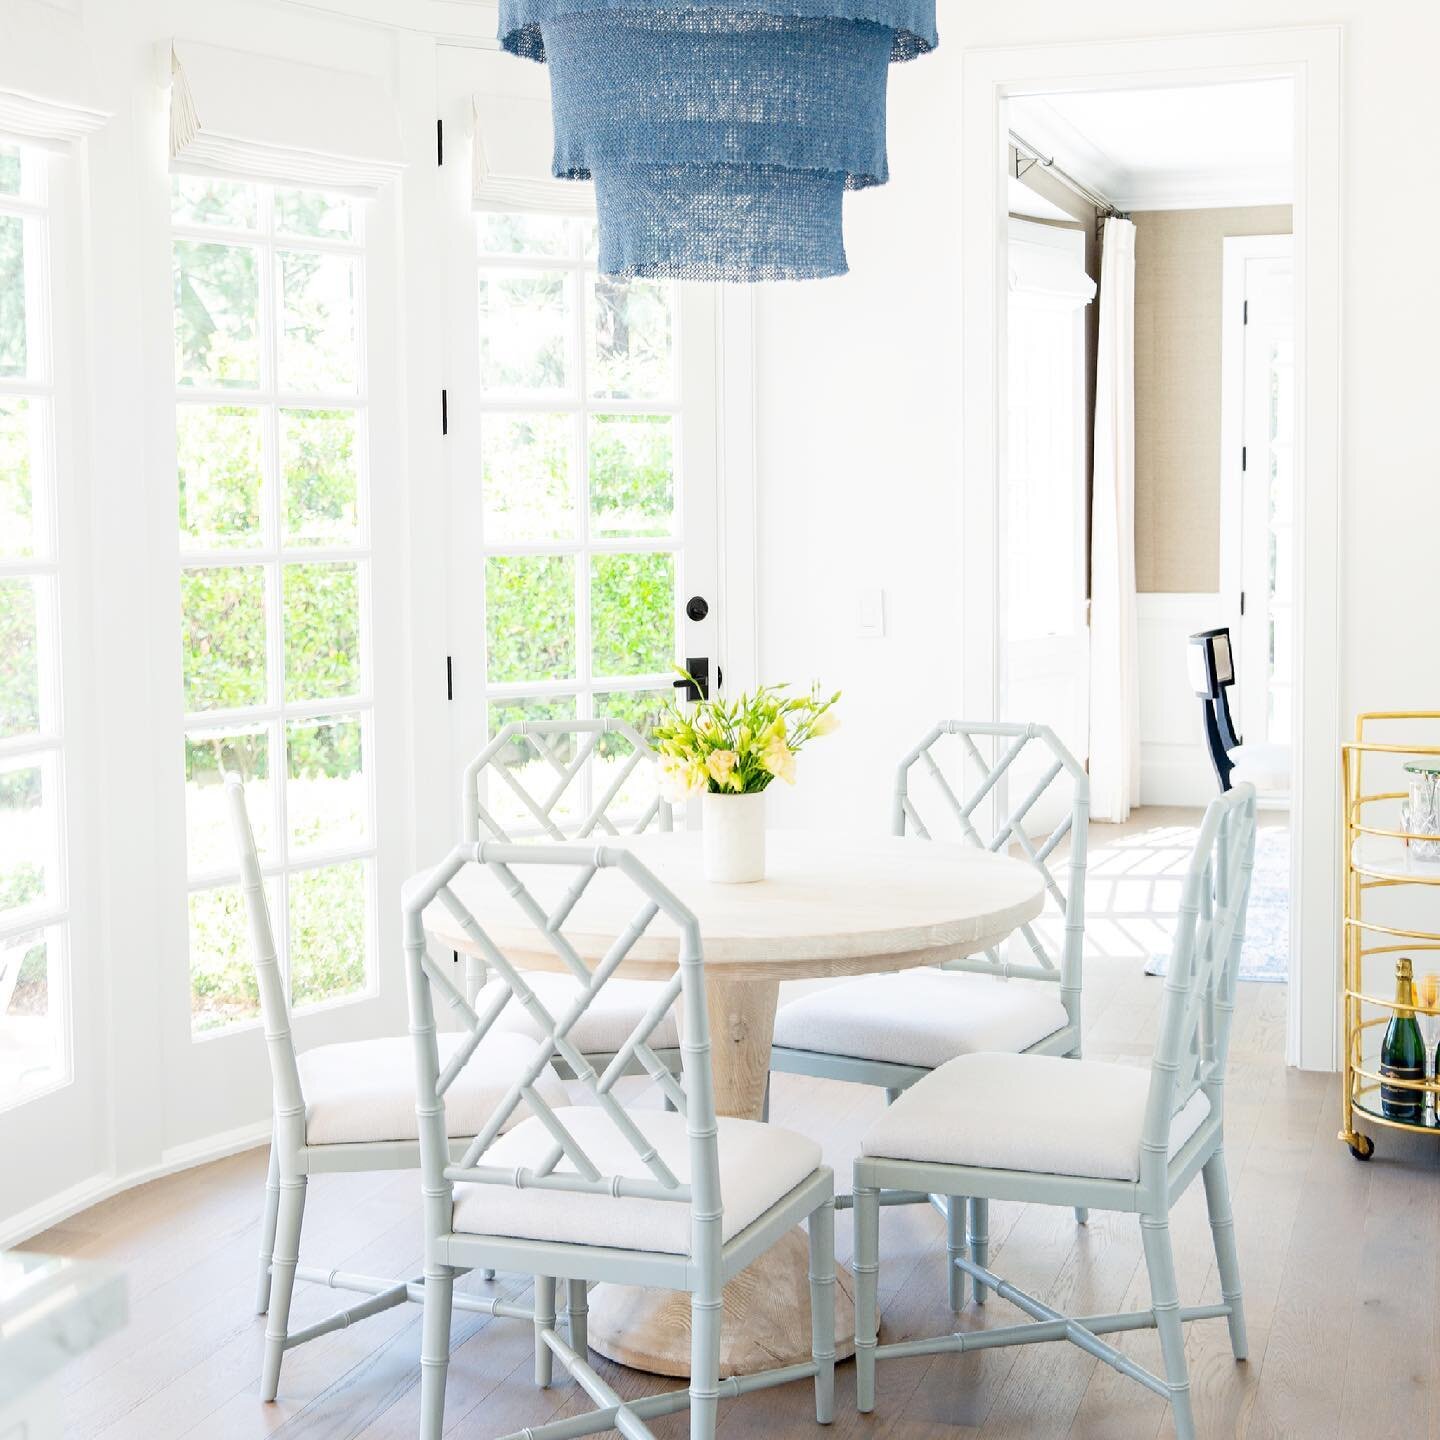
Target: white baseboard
(103, 1187)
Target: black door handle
(697, 686)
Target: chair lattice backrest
(1199, 1000)
(691, 1093)
(274, 1006)
(592, 783)
(979, 779)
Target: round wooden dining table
(830, 905)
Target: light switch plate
(872, 614)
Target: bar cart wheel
(1362, 1147)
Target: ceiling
(1192, 147)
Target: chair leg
(268, 1218)
(288, 1220)
(1082, 1215)
(706, 1307)
(979, 1242)
(892, 1094)
(577, 1307)
(1227, 1260)
(765, 1102)
(955, 1248)
(435, 1349)
(544, 1320)
(866, 1269)
(1165, 1302)
(821, 1226)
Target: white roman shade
(1048, 273)
(236, 113)
(514, 143)
(49, 94)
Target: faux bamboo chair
(595, 805)
(893, 1030)
(1035, 1128)
(603, 1192)
(346, 1107)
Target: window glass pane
(19, 658)
(322, 631)
(326, 792)
(313, 212)
(632, 614)
(217, 301)
(223, 623)
(328, 933)
(319, 460)
(9, 169)
(523, 234)
(33, 1040)
(318, 340)
(523, 331)
(632, 475)
(206, 200)
(525, 472)
(14, 341)
(640, 708)
(29, 836)
(218, 455)
(530, 617)
(18, 439)
(223, 988)
(534, 774)
(209, 756)
(628, 323)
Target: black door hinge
(444, 412)
(449, 677)
(439, 142)
(1244, 457)
(1246, 320)
(1242, 602)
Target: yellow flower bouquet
(738, 747)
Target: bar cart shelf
(1381, 863)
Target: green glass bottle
(1402, 1053)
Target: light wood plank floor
(1339, 1262)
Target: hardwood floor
(1339, 1261)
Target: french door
(582, 452)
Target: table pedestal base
(766, 1320)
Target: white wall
(858, 384)
(858, 419)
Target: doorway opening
(1172, 166)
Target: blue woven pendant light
(722, 135)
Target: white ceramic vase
(734, 843)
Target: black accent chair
(1212, 673)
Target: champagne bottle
(1402, 1053)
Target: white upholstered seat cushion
(1265, 766)
(1044, 1114)
(759, 1164)
(604, 1027)
(364, 1090)
(921, 1017)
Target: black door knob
(697, 607)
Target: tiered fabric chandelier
(721, 134)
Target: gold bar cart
(1379, 859)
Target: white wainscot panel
(1174, 763)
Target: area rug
(1266, 956)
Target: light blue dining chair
(1039, 1129)
(893, 1030)
(675, 1199)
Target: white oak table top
(831, 904)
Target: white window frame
(277, 713)
(47, 747)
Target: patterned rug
(1133, 895)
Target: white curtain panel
(1114, 629)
